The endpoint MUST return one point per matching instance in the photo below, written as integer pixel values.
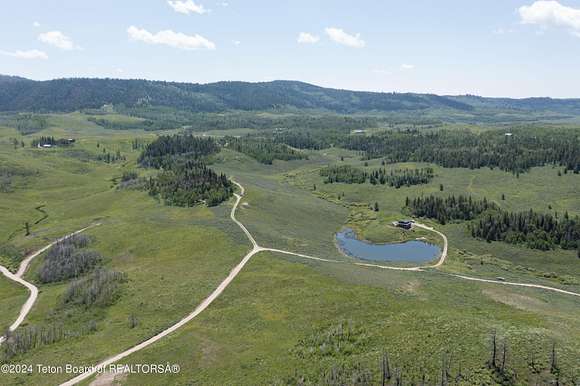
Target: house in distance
(405, 224)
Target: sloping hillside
(19, 94)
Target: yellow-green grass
(248, 336)
(12, 298)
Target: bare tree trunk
(385, 369)
(398, 378)
(503, 356)
(459, 374)
(443, 373)
(492, 360)
(553, 360)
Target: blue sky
(515, 48)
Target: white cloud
(29, 54)
(307, 38)
(57, 39)
(186, 7)
(236, 42)
(551, 13)
(170, 38)
(407, 66)
(36, 24)
(338, 35)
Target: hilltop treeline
(395, 177)
(185, 179)
(448, 208)
(515, 152)
(262, 149)
(81, 93)
(533, 229)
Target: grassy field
(255, 333)
(173, 257)
(13, 297)
(540, 189)
(266, 328)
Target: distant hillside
(567, 106)
(75, 94)
(19, 94)
(11, 79)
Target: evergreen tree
(185, 179)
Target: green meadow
(276, 323)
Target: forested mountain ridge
(524, 104)
(10, 79)
(20, 94)
(79, 93)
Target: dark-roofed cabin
(405, 224)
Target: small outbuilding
(405, 224)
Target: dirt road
(17, 277)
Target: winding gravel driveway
(17, 277)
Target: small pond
(415, 251)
